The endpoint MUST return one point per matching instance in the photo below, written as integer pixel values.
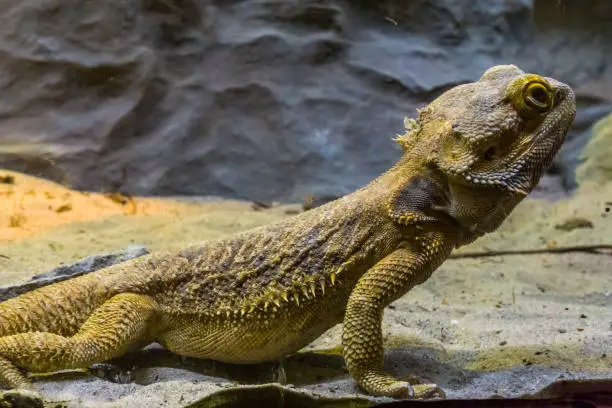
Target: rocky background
(266, 99)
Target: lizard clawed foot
(384, 385)
(423, 391)
(428, 391)
(280, 375)
(403, 389)
(112, 373)
(21, 398)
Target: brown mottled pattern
(257, 270)
(473, 154)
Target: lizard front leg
(389, 279)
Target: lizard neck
(415, 192)
(417, 197)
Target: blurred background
(267, 100)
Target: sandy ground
(496, 326)
(35, 236)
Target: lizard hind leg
(122, 323)
(11, 376)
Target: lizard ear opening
(421, 199)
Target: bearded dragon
(471, 156)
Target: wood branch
(600, 249)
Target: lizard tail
(60, 308)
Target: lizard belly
(246, 341)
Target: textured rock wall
(266, 100)
(597, 166)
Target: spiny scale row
(408, 219)
(273, 300)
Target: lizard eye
(537, 96)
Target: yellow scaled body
(473, 154)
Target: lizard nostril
(560, 94)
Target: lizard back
(279, 266)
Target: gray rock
(64, 272)
(264, 100)
(569, 157)
(595, 158)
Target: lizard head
(491, 140)
(499, 132)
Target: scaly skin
(473, 154)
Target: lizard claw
(112, 373)
(400, 389)
(403, 389)
(21, 398)
(384, 385)
(424, 391)
(406, 390)
(280, 375)
(428, 391)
